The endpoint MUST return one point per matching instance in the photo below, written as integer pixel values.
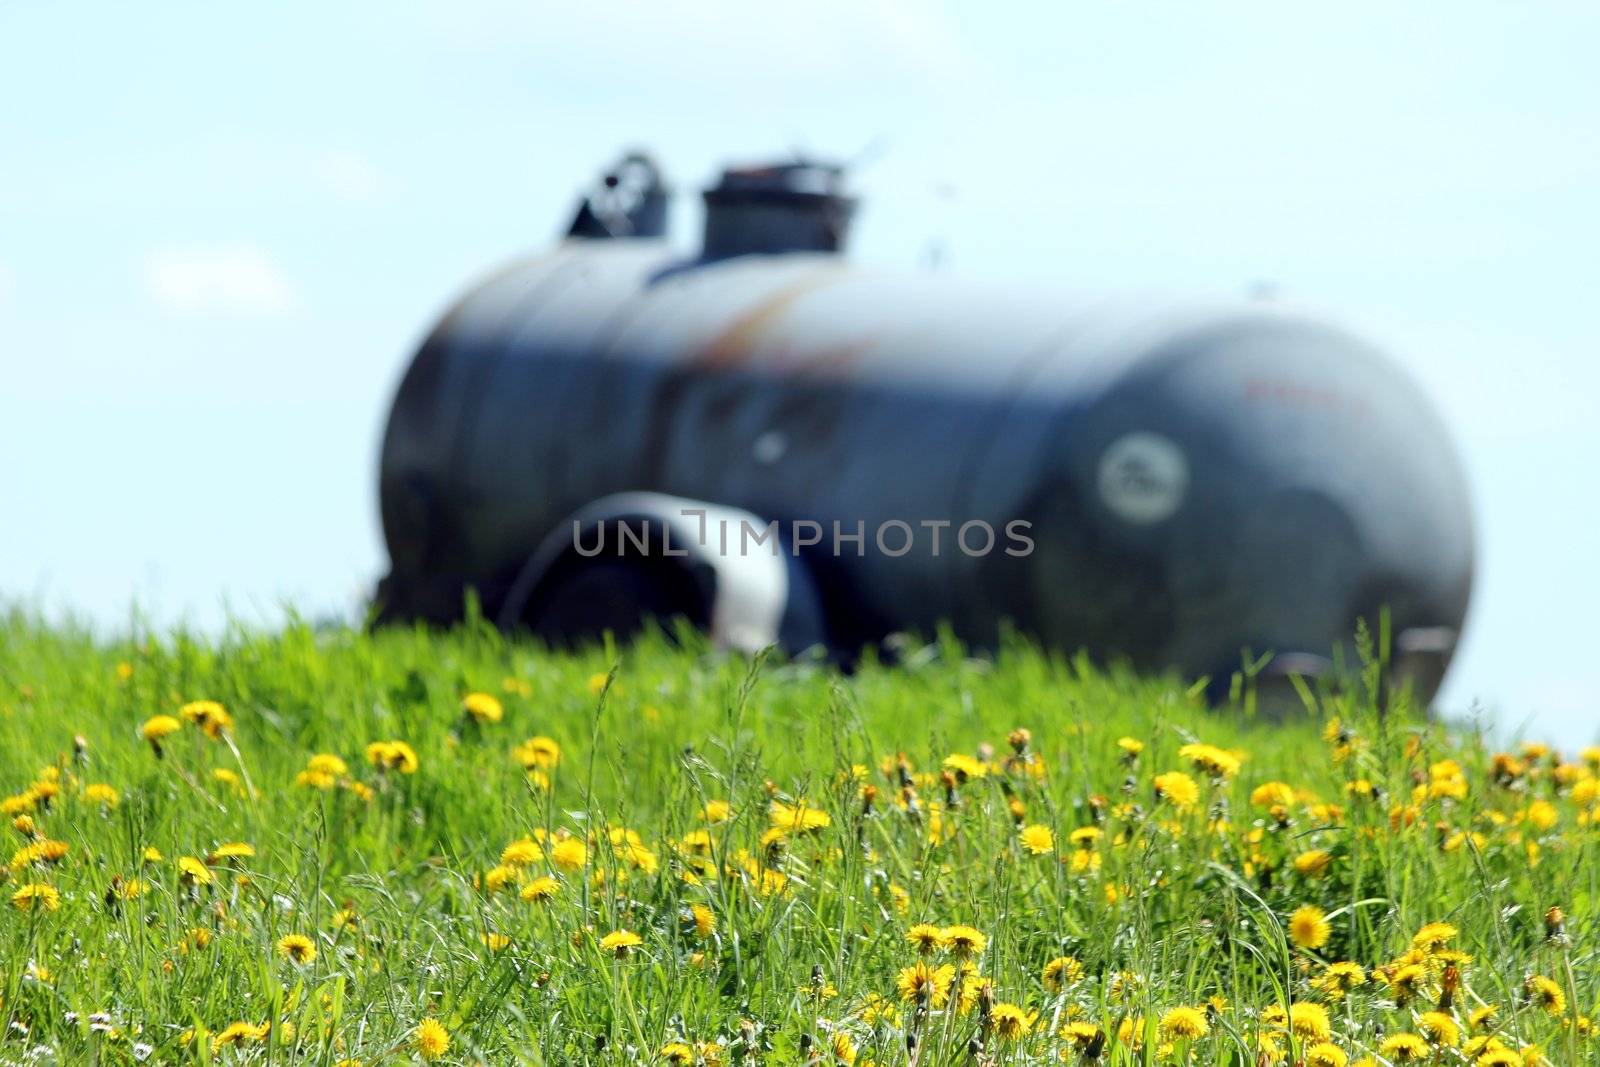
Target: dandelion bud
(600, 1042)
(1555, 925)
(1019, 740)
(80, 750)
(902, 771)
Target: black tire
(618, 596)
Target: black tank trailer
(784, 448)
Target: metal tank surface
(781, 447)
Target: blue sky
(223, 227)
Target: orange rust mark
(735, 344)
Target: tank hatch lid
(799, 206)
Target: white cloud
(349, 175)
(218, 279)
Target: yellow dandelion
(1433, 937)
(1309, 927)
(925, 936)
(540, 889)
(100, 793)
(538, 754)
(297, 948)
(327, 763)
(962, 940)
(523, 852)
(482, 708)
(430, 1039)
(926, 984)
(158, 727)
(1184, 1024)
(570, 854)
(1037, 840)
(1439, 1028)
(1325, 1054)
(1177, 789)
(1309, 1021)
(1545, 994)
(36, 896)
(212, 718)
(797, 818)
(1061, 972)
(620, 942)
(192, 872)
(1404, 1048)
(1010, 1022)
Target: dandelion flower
(926, 984)
(392, 756)
(158, 727)
(1433, 937)
(1309, 1021)
(925, 936)
(797, 818)
(482, 708)
(1177, 789)
(1404, 1048)
(1061, 972)
(1338, 979)
(1084, 1036)
(1212, 760)
(1439, 1028)
(540, 889)
(964, 941)
(1272, 794)
(1325, 1054)
(523, 852)
(538, 753)
(102, 794)
(1309, 927)
(240, 1033)
(36, 896)
(430, 1039)
(231, 850)
(1038, 840)
(1313, 863)
(620, 942)
(212, 718)
(1184, 1024)
(1546, 994)
(192, 872)
(327, 763)
(1010, 1022)
(297, 948)
(570, 854)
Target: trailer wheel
(582, 604)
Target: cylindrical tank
(1194, 479)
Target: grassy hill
(333, 847)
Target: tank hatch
(783, 207)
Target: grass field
(334, 847)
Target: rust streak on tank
(735, 344)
